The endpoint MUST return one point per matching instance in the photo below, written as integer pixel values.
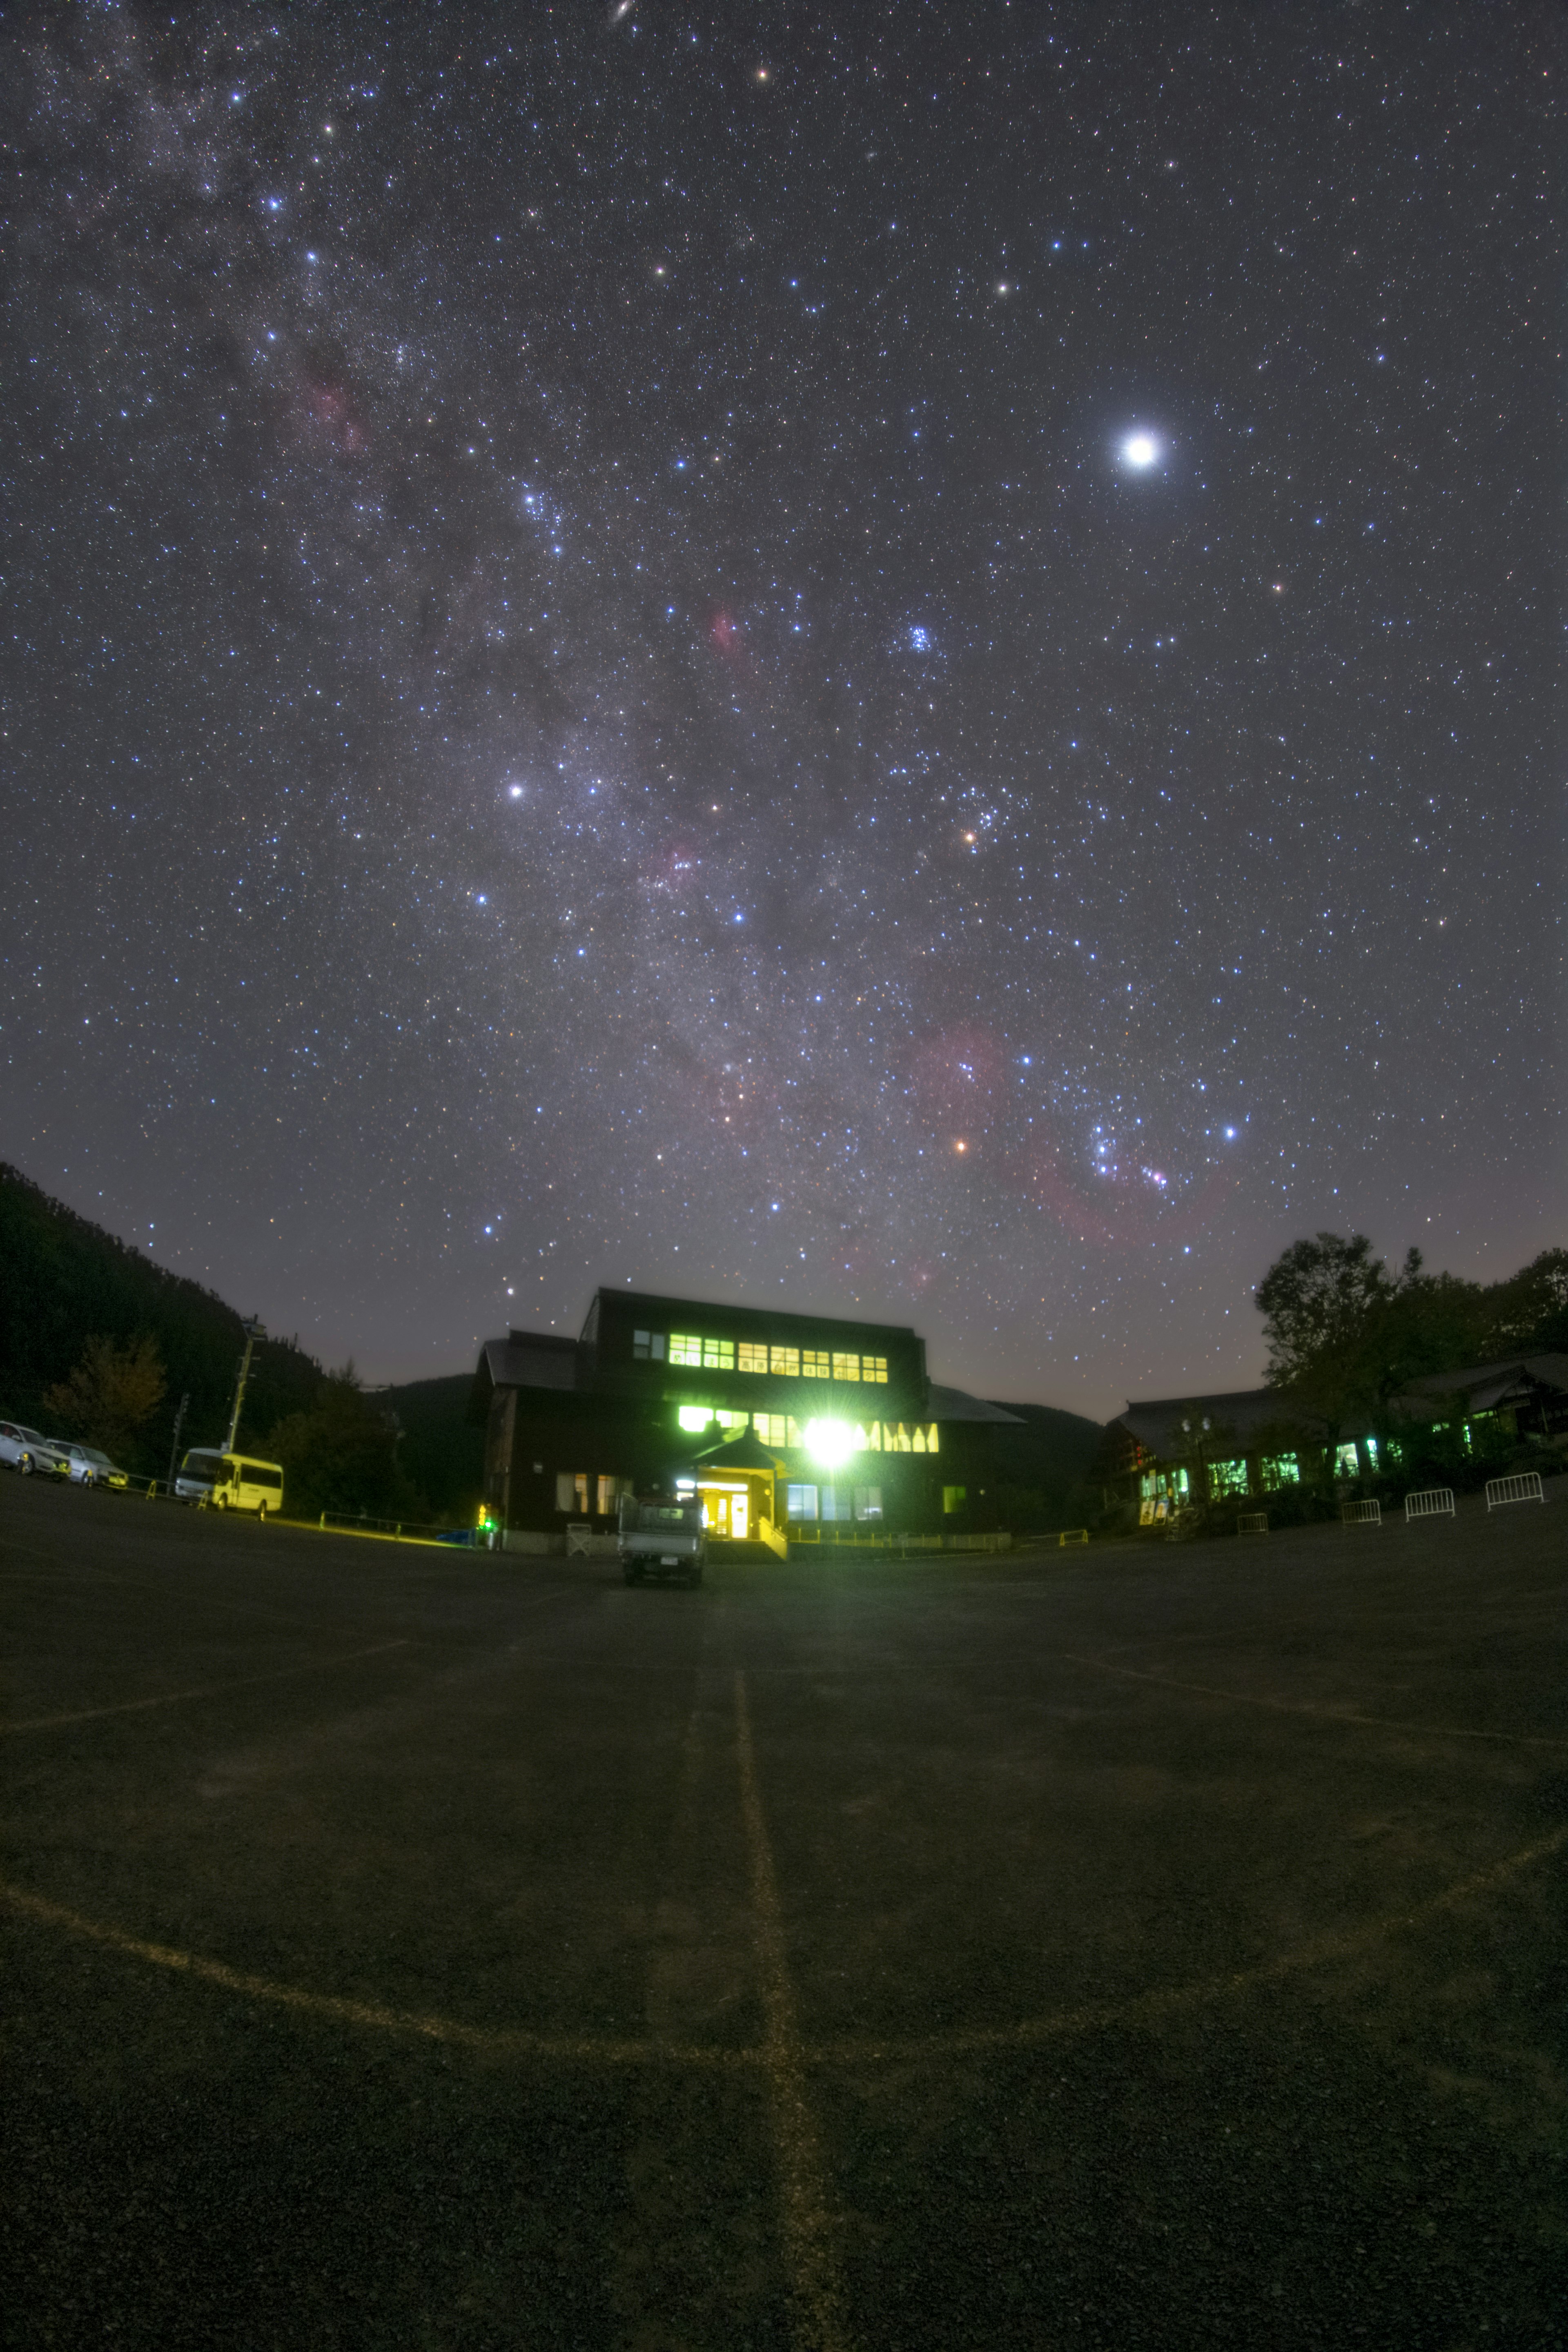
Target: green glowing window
(954, 1498)
(718, 1355)
(1227, 1477)
(785, 1360)
(1347, 1462)
(874, 1368)
(751, 1356)
(846, 1368)
(685, 1348)
(815, 1364)
(1280, 1470)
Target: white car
(26, 1451)
(89, 1467)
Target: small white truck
(662, 1536)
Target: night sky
(894, 658)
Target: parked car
(89, 1467)
(26, 1451)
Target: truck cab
(662, 1536)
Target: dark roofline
(744, 1309)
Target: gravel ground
(1145, 1947)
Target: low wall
(551, 1543)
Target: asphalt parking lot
(1147, 1947)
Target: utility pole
(179, 1424)
(253, 1331)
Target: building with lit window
(1172, 1451)
(786, 1424)
(1167, 1452)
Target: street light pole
(253, 1331)
(179, 1424)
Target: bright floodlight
(1140, 451)
(829, 1443)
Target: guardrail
(1523, 1487)
(853, 1538)
(1431, 1503)
(356, 1523)
(1360, 1514)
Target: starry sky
(898, 658)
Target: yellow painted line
(496, 2042)
(1147, 2008)
(808, 2226)
(1304, 1706)
(784, 2054)
(201, 1690)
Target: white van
(230, 1482)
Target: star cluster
(890, 658)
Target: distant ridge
(66, 1279)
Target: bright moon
(1142, 450)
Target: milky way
(894, 658)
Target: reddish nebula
(1127, 1210)
(329, 408)
(670, 869)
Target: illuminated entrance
(736, 1485)
(727, 1508)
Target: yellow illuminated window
(846, 1368)
(750, 1356)
(869, 1439)
(685, 1348)
(954, 1498)
(771, 1428)
(923, 1438)
(815, 1364)
(874, 1368)
(735, 1425)
(786, 1360)
(695, 1416)
(718, 1355)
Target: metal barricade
(1431, 1503)
(1524, 1486)
(1361, 1515)
(1252, 1523)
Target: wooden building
(785, 1424)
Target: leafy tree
(1528, 1314)
(111, 1395)
(1322, 1302)
(341, 1455)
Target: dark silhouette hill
(66, 1280)
(439, 1451)
(1041, 1465)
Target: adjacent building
(1169, 1452)
(786, 1424)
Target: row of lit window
(580, 1491)
(783, 1430)
(755, 1356)
(805, 1503)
